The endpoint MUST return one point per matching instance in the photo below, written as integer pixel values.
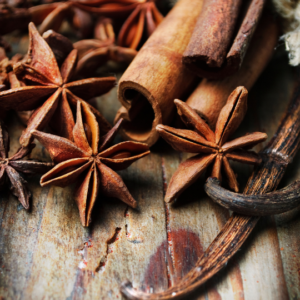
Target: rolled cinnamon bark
(211, 95)
(221, 37)
(157, 76)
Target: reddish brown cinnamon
(156, 76)
(221, 37)
(211, 95)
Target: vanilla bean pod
(272, 203)
(276, 156)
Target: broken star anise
(91, 160)
(212, 147)
(12, 167)
(43, 78)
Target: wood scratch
(109, 249)
(170, 265)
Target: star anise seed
(212, 147)
(91, 160)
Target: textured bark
(214, 50)
(211, 95)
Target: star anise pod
(90, 160)
(213, 147)
(145, 15)
(44, 78)
(8, 79)
(112, 8)
(51, 16)
(12, 167)
(94, 53)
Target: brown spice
(217, 48)
(44, 78)
(211, 95)
(94, 53)
(212, 147)
(12, 167)
(156, 76)
(145, 15)
(277, 156)
(51, 16)
(90, 160)
(255, 205)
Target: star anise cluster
(45, 85)
(212, 148)
(142, 17)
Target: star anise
(94, 53)
(44, 78)
(8, 79)
(12, 167)
(112, 8)
(212, 147)
(146, 15)
(51, 16)
(143, 15)
(91, 160)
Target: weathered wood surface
(46, 253)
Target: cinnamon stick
(157, 76)
(211, 95)
(278, 154)
(221, 37)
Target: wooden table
(45, 253)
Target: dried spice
(90, 159)
(156, 76)
(94, 53)
(213, 147)
(12, 167)
(50, 91)
(211, 95)
(112, 8)
(145, 15)
(220, 39)
(278, 154)
(7, 77)
(51, 16)
(267, 204)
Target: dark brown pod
(276, 202)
